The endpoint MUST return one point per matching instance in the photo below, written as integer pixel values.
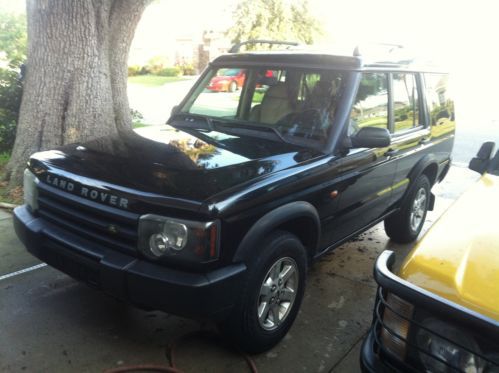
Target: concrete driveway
(52, 323)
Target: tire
(232, 86)
(252, 324)
(405, 225)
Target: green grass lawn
(155, 80)
(139, 125)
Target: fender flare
(418, 170)
(275, 218)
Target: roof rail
(236, 47)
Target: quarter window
(371, 104)
(405, 102)
(439, 98)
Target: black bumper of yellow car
(377, 357)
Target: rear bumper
(128, 278)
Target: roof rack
(236, 47)
(385, 47)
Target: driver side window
(370, 108)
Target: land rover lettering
(86, 192)
(60, 183)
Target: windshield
(297, 105)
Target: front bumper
(128, 278)
(374, 355)
(369, 360)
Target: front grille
(483, 349)
(104, 225)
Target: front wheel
(232, 86)
(405, 226)
(271, 296)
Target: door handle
(391, 152)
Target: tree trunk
(76, 74)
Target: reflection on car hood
(171, 162)
(459, 257)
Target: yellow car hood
(458, 258)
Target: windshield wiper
(256, 126)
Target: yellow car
(441, 313)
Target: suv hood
(168, 162)
(458, 258)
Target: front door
(365, 176)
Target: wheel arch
(300, 218)
(427, 166)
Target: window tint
(405, 102)
(371, 104)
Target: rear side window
(370, 108)
(439, 99)
(405, 102)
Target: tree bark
(76, 74)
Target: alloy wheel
(418, 209)
(277, 293)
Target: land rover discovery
(218, 214)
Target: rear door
(411, 137)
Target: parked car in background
(219, 214)
(441, 312)
(227, 80)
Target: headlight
(175, 239)
(395, 326)
(30, 191)
(436, 343)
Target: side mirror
(371, 137)
(481, 162)
(175, 109)
(494, 165)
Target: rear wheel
(271, 296)
(405, 226)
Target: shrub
(13, 52)
(7, 136)
(134, 70)
(188, 69)
(156, 64)
(10, 101)
(170, 71)
(144, 70)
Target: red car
(227, 80)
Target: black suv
(219, 213)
